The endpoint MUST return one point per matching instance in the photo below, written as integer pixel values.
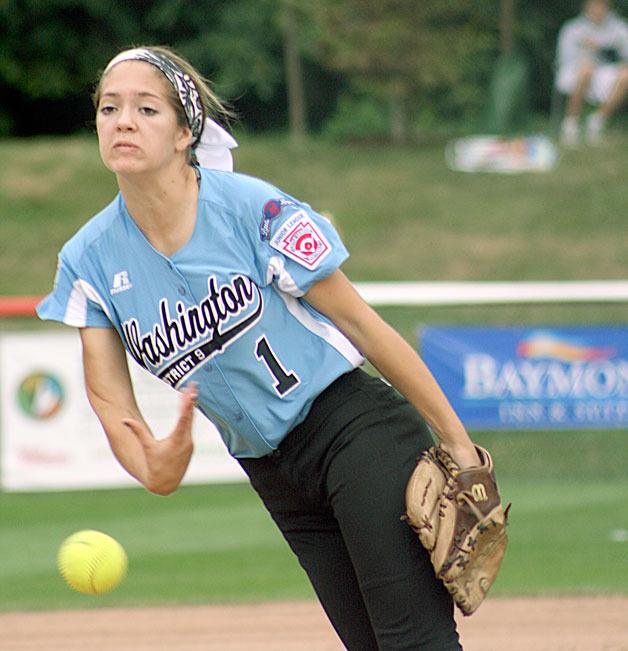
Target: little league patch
(300, 240)
(270, 211)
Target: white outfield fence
(475, 293)
(51, 440)
(440, 293)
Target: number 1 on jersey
(285, 381)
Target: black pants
(335, 488)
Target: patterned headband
(180, 80)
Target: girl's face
(136, 124)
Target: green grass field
(216, 543)
(404, 216)
(402, 213)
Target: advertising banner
(534, 377)
(49, 435)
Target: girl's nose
(126, 120)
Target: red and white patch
(300, 239)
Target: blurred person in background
(592, 67)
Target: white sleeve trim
(76, 310)
(285, 282)
(328, 332)
(290, 292)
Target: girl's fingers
(186, 415)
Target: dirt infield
(570, 624)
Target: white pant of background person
(603, 85)
(604, 77)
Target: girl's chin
(127, 167)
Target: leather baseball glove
(459, 519)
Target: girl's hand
(167, 459)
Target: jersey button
(239, 416)
(182, 291)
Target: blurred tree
(252, 50)
(237, 44)
(49, 48)
(294, 71)
(400, 49)
(389, 57)
(50, 54)
(249, 49)
(507, 110)
(52, 50)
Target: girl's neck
(163, 205)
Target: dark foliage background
(436, 58)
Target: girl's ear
(184, 139)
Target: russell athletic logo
(121, 282)
(188, 336)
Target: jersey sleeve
(295, 245)
(73, 300)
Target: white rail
(440, 293)
(471, 293)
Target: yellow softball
(92, 562)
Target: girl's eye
(107, 109)
(147, 110)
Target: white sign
(49, 435)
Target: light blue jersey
(225, 310)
